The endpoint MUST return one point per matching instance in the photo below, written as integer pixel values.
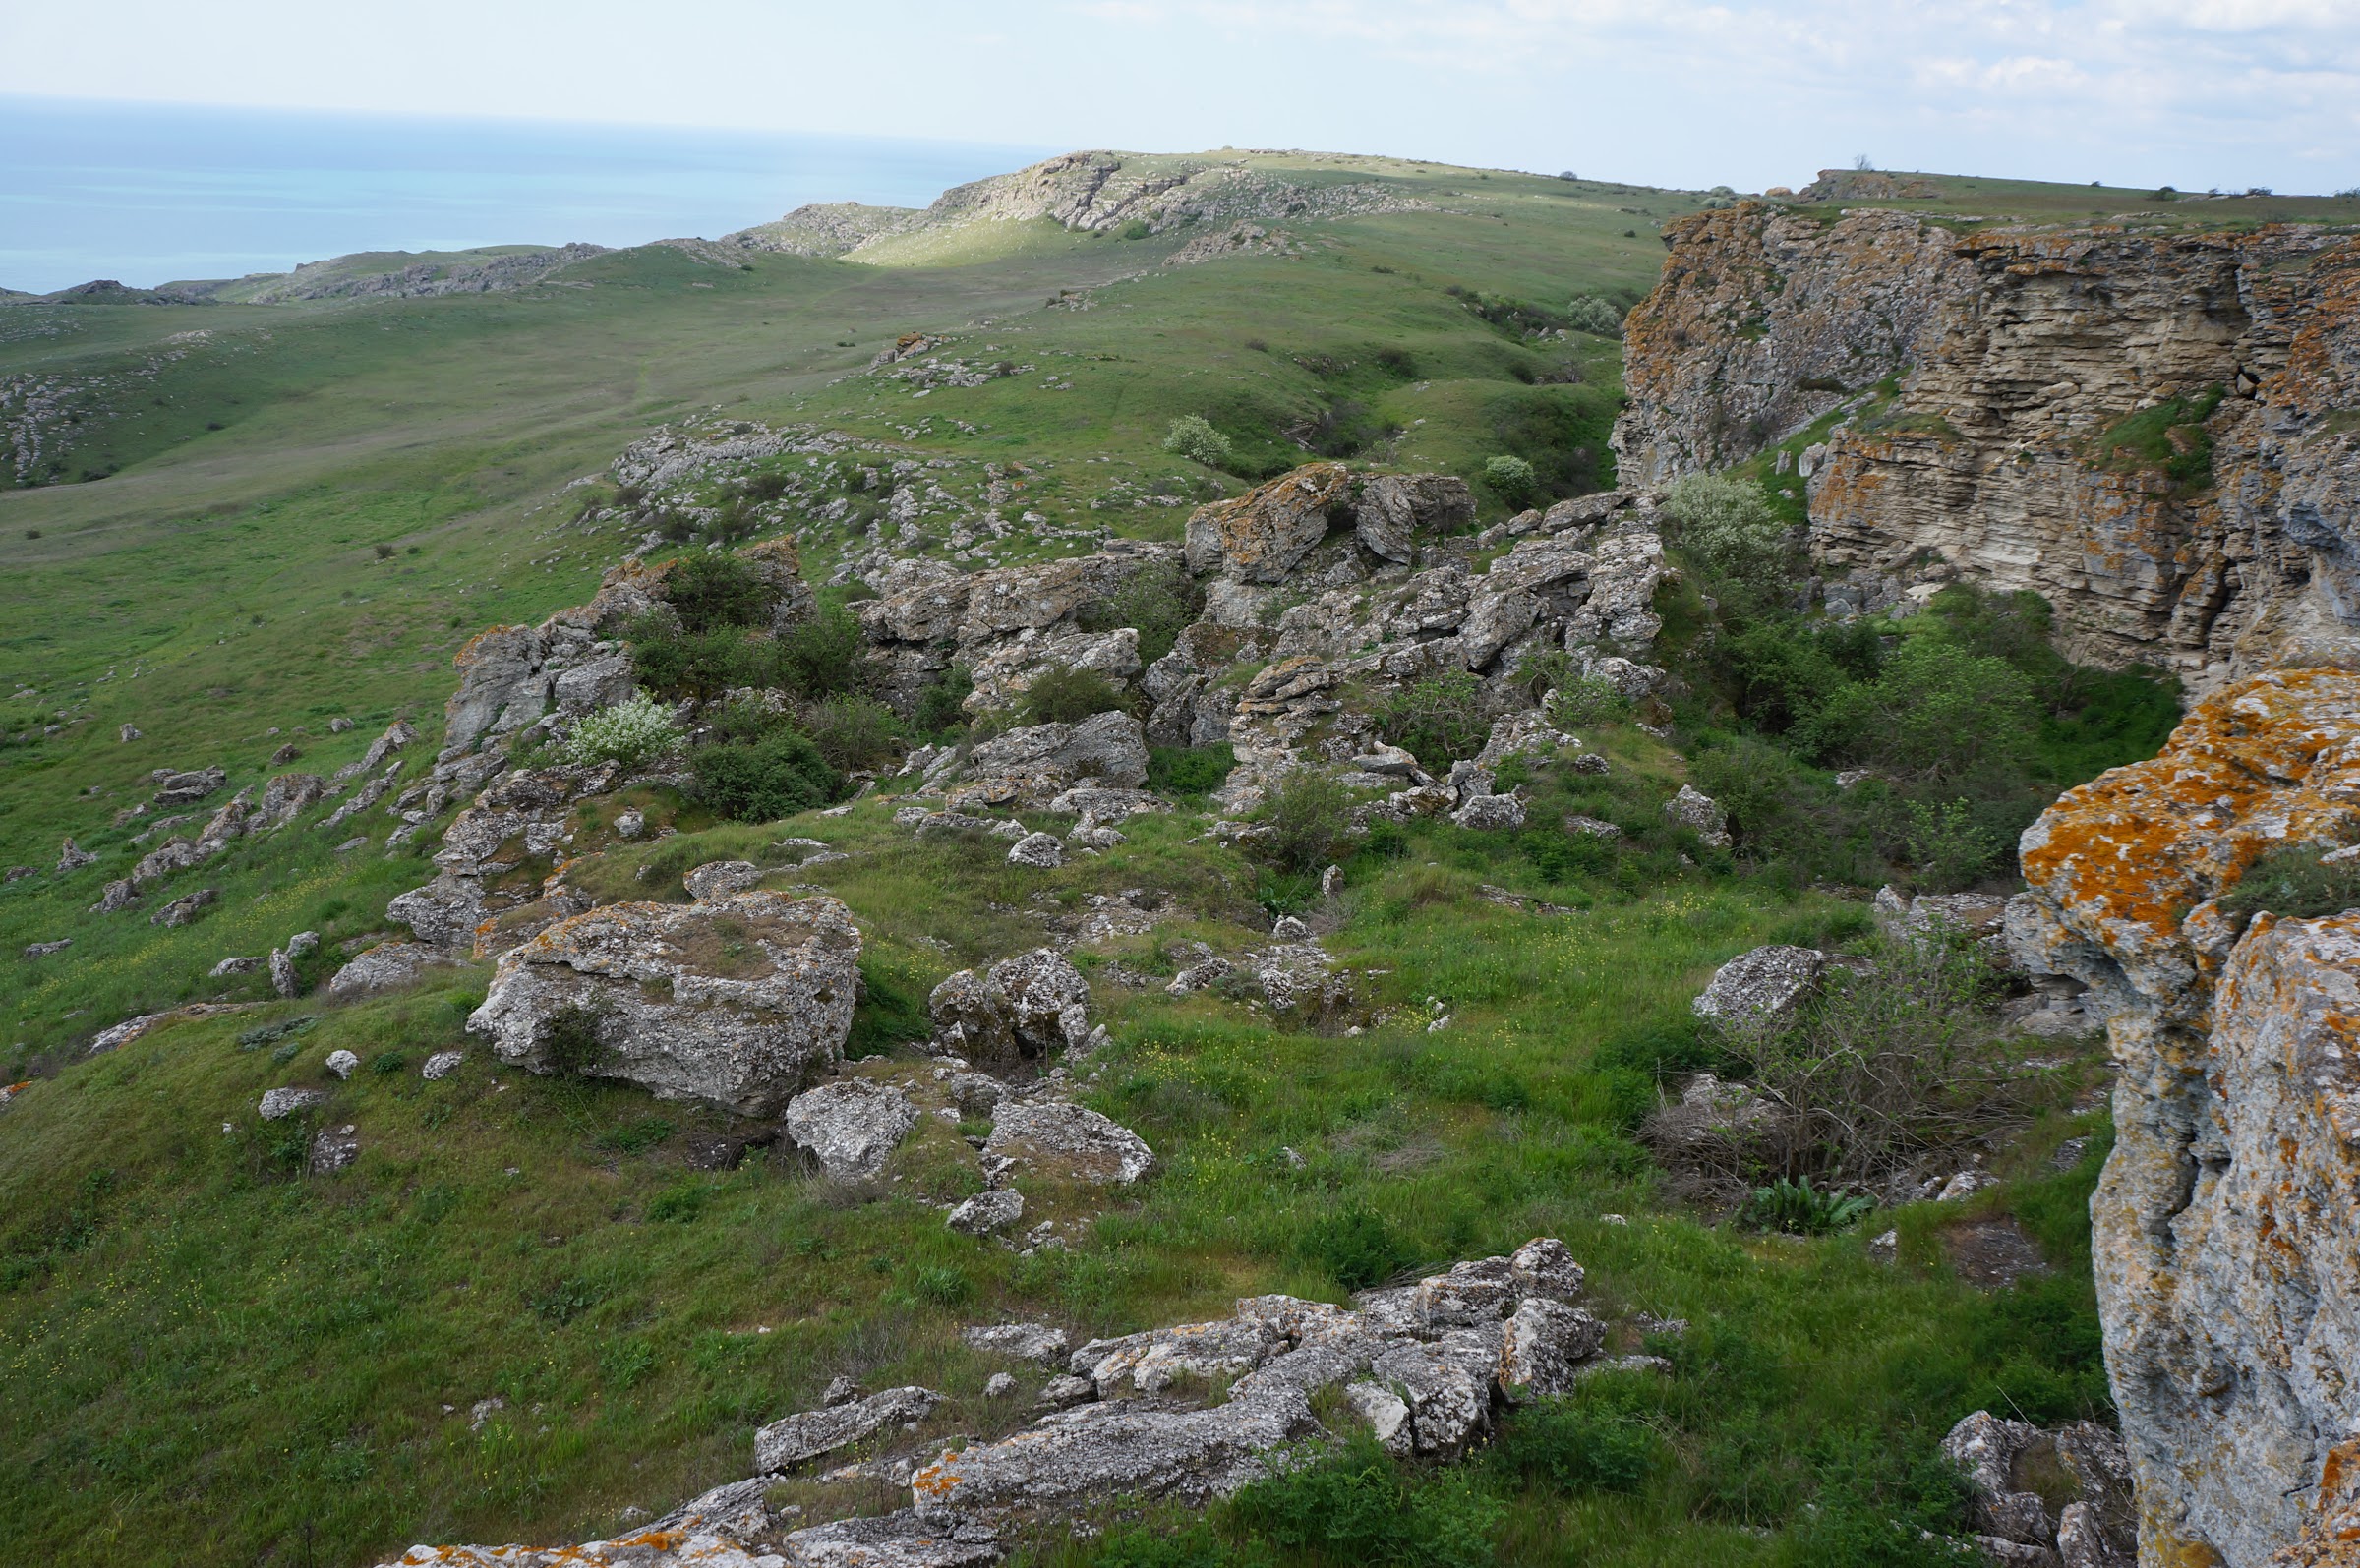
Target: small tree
(1590, 313)
(1726, 524)
(1193, 436)
(1308, 814)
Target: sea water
(147, 193)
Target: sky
(2198, 93)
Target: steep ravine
(2158, 431)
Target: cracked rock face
(783, 1444)
(1030, 1005)
(735, 1002)
(1070, 1140)
(2225, 1237)
(1761, 986)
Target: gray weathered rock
(283, 979)
(230, 966)
(120, 894)
(280, 1103)
(334, 1148)
(1691, 808)
(342, 1063)
(1542, 1344)
(850, 1126)
(905, 1540)
(737, 1511)
(72, 858)
(1026, 1005)
(783, 1444)
(1394, 510)
(1031, 1342)
(1262, 535)
(1039, 851)
(1489, 812)
(1544, 1268)
(185, 788)
(987, 1213)
(1073, 1139)
(442, 1065)
(1760, 986)
(388, 966)
(181, 910)
(1149, 1361)
(443, 913)
(736, 1001)
(718, 879)
(1196, 976)
(1035, 766)
(42, 950)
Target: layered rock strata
(2153, 429)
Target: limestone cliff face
(2019, 355)
(2227, 1227)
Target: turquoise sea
(146, 194)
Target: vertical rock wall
(2227, 1227)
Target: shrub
(1355, 1246)
(822, 656)
(632, 733)
(1061, 695)
(713, 590)
(1190, 769)
(1590, 313)
(853, 733)
(1309, 813)
(1800, 1209)
(1512, 479)
(1935, 710)
(570, 1038)
(1947, 845)
(1568, 1446)
(764, 780)
(1438, 719)
(1728, 524)
(2290, 882)
(1355, 1506)
(1193, 436)
(1159, 601)
(942, 705)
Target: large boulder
(1069, 1140)
(1266, 533)
(783, 1444)
(1395, 509)
(1033, 766)
(1030, 1005)
(734, 1002)
(388, 966)
(1761, 987)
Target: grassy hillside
(246, 521)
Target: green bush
(1572, 1445)
(2290, 882)
(766, 779)
(1800, 1209)
(1937, 711)
(1355, 1506)
(1438, 719)
(713, 590)
(942, 705)
(1159, 600)
(1355, 1246)
(1308, 814)
(632, 734)
(1512, 479)
(1193, 436)
(853, 733)
(570, 1038)
(1061, 695)
(822, 656)
(1190, 769)
(1948, 846)
(703, 665)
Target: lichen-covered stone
(1070, 1140)
(850, 1126)
(1263, 535)
(786, 1443)
(1760, 986)
(388, 966)
(736, 1001)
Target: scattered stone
(999, 1386)
(1196, 976)
(840, 1391)
(1760, 986)
(630, 824)
(1691, 808)
(342, 1063)
(2015, 1473)
(303, 944)
(737, 1511)
(1072, 1138)
(850, 1126)
(1487, 812)
(1331, 882)
(905, 1540)
(483, 1411)
(669, 1004)
(42, 950)
(1066, 1391)
(17, 874)
(718, 879)
(187, 789)
(1543, 1344)
(72, 858)
(180, 912)
(987, 1212)
(442, 1065)
(1590, 826)
(783, 1444)
(1032, 1342)
(283, 979)
(338, 725)
(230, 966)
(1039, 851)
(127, 733)
(280, 1103)
(333, 1149)
(388, 966)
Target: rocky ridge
(2013, 362)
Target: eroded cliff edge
(2227, 1227)
(2157, 429)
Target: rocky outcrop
(1032, 1005)
(736, 1002)
(2009, 1465)
(2225, 1242)
(2149, 428)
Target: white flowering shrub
(1193, 436)
(633, 734)
(1590, 313)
